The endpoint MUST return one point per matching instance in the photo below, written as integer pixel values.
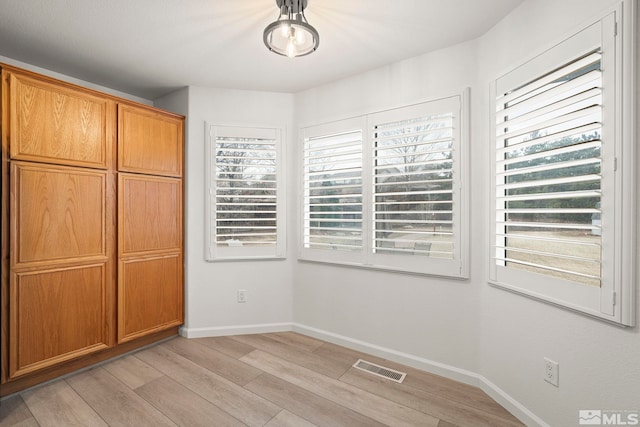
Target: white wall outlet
(551, 372)
(242, 295)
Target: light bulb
(284, 30)
(291, 48)
(300, 37)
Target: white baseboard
(510, 404)
(437, 368)
(235, 330)
(448, 371)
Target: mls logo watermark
(598, 417)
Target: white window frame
(457, 267)
(614, 300)
(214, 252)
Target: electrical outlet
(551, 372)
(242, 295)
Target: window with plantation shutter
(550, 173)
(417, 218)
(385, 190)
(413, 176)
(246, 209)
(556, 172)
(333, 190)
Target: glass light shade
(291, 37)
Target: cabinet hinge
(615, 29)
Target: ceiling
(150, 47)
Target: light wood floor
(274, 380)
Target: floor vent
(380, 371)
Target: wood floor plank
(215, 361)
(57, 404)
(457, 391)
(301, 342)
(287, 419)
(183, 406)
(116, 403)
(316, 409)
(330, 367)
(421, 380)
(31, 422)
(14, 412)
(380, 409)
(226, 345)
(432, 404)
(444, 423)
(132, 371)
(244, 405)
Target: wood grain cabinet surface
(92, 226)
(56, 315)
(149, 254)
(149, 295)
(149, 142)
(59, 214)
(55, 124)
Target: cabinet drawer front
(149, 142)
(149, 214)
(150, 295)
(54, 124)
(57, 315)
(60, 214)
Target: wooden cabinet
(57, 314)
(92, 247)
(149, 254)
(148, 289)
(59, 215)
(56, 124)
(59, 295)
(149, 142)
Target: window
(333, 196)
(246, 198)
(557, 192)
(385, 190)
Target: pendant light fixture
(291, 35)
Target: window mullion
(368, 193)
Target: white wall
(469, 325)
(211, 307)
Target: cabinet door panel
(149, 142)
(150, 214)
(54, 124)
(57, 315)
(59, 214)
(150, 296)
